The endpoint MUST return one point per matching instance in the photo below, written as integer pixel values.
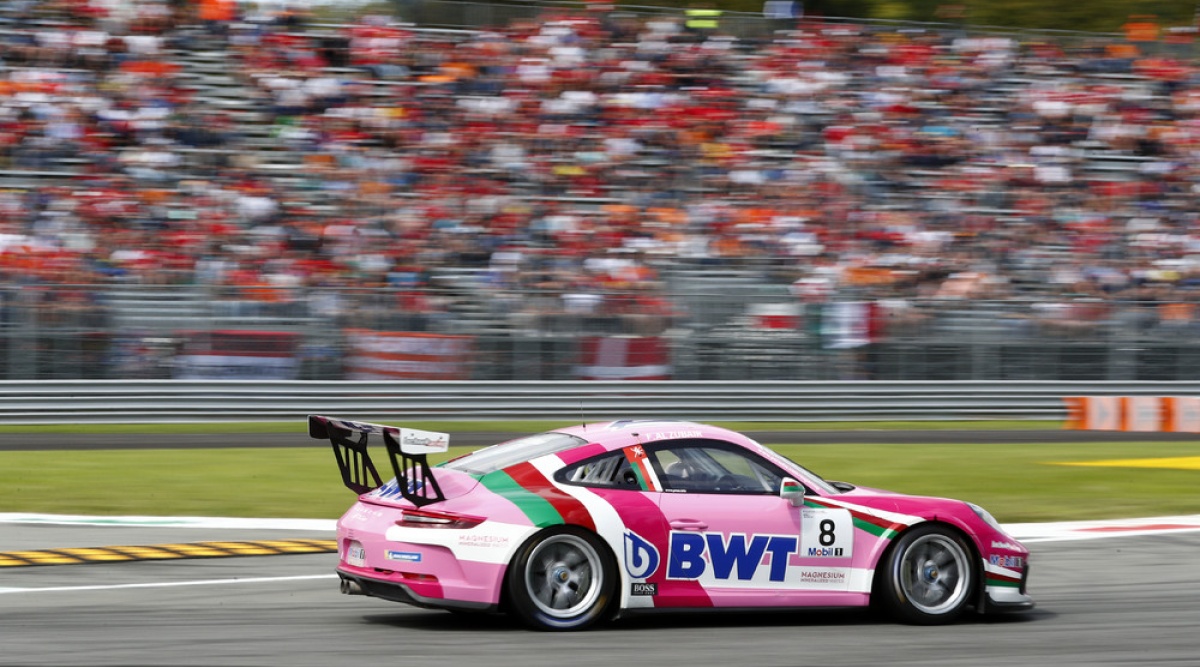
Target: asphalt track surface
(1113, 601)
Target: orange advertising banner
(1094, 413)
(1142, 414)
(1181, 414)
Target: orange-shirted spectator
(217, 14)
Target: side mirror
(792, 491)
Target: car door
(732, 533)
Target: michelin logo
(406, 556)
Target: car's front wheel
(928, 576)
(562, 579)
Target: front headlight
(986, 516)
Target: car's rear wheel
(562, 579)
(928, 576)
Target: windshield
(811, 476)
(497, 457)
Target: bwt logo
(738, 557)
(641, 557)
(825, 552)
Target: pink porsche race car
(569, 528)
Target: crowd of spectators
(578, 155)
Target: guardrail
(176, 401)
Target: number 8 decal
(826, 533)
(827, 537)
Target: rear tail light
(430, 519)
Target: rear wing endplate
(407, 448)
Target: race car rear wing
(407, 448)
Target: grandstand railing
(194, 401)
(735, 326)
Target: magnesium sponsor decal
(1006, 545)
(832, 577)
(488, 541)
(641, 557)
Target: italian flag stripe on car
(872, 524)
(994, 579)
(540, 512)
(568, 507)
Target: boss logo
(643, 589)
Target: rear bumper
(398, 592)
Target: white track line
(1026, 532)
(168, 584)
(1094, 530)
(317, 525)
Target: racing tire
(562, 579)
(928, 576)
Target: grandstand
(921, 202)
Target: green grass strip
(1016, 482)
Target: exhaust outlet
(351, 588)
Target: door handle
(688, 524)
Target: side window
(715, 467)
(610, 470)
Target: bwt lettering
(738, 557)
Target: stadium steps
(206, 74)
(172, 309)
(158, 309)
